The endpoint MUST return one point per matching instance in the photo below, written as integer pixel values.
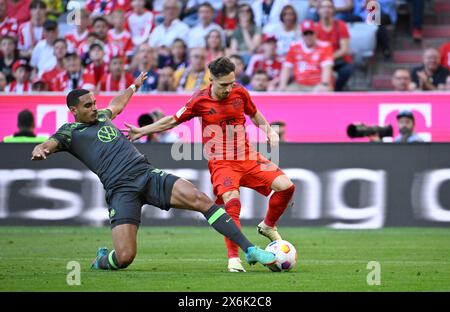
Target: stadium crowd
(276, 45)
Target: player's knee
(282, 183)
(125, 257)
(201, 202)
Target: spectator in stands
(26, 133)
(259, 82)
(3, 82)
(19, 10)
(118, 36)
(214, 45)
(179, 53)
(447, 83)
(336, 33)
(267, 11)
(280, 129)
(30, 33)
(401, 80)
(312, 63)
(145, 120)
(388, 16)
(77, 36)
(267, 61)
(59, 51)
(146, 62)
(54, 8)
(418, 8)
(97, 66)
(343, 10)
(171, 29)
(8, 56)
(246, 39)
(43, 57)
(430, 75)
(227, 17)
(74, 77)
(198, 33)
(40, 85)
(101, 28)
(406, 123)
(21, 83)
(140, 22)
(196, 76)
(175, 56)
(8, 25)
(116, 79)
(85, 46)
(445, 55)
(106, 7)
(286, 31)
(239, 72)
(190, 12)
(166, 79)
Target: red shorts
(229, 175)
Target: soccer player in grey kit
(130, 181)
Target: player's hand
(133, 133)
(273, 138)
(140, 79)
(39, 153)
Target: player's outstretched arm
(161, 125)
(117, 104)
(42, 150)
(260, 121)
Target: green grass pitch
(194, 259)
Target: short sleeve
(249, 107)
(187, 112)
(64, 136)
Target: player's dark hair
(25, 119)
(74, 95)
(221, 66)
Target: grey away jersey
(103, 149)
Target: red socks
(233, 208)
(278, 203)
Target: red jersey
(9, 27)
(50, 76)
(109, 84)
(63, 83)
(76, 39)
(338, 31)
(121, 41)
(97, 71)
(445, 55)
(271, 67)
(225, 22)
(223, 122)
(308, 62)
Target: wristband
(133, 87)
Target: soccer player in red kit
(222, 106)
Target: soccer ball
(285, 253)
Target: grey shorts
(153, 187)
